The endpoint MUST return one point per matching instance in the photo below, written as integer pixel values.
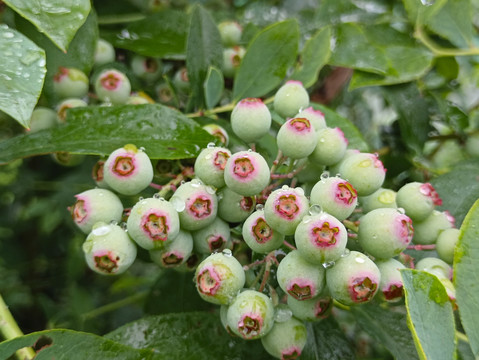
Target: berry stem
(9, 329)
(267, 272)
(288, 245)
(351, 225)
(422, 247)
(341, 306)
(172, 185)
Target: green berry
(218, 132)
(66, 104)
(112, 86)
(250, 119)
(104, 52)
(391, 286)
(181, 81)
(212, 237)
(364, 171)
(446, 243)
(136, 99)
(70, 83)
(233, 207)
(290, 98)
(297, 138)
(316, 117)
(330, 146)
(230, 32)
(259, 236)
(232, 58)
(427, 231)
(381, 198)
(42, 118)
(146, 68)
(174, 253)
(210, 165)
(418, 200)
(314, 309)
(97, 174)
(435, 266)
(65, 158)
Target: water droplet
(285, 187)
(328, 265)
(299, 191)
(401, 211)
(315, 209)
(346, 252)
(210, 190)
(182, 182)
(360, 260)
(101, 230)
(325, 175)
(142, 149)
(141, 198)
(8, 35)
(178, 204)
(113, 222)
(283, 314)
(124, 226)
(196, 183)
(259, 207)
(227, 252)
(338, 175)
(250, 150)
(211, 145)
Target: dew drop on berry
(259, 207)
(101, 230)
(157, 196)
(142, 149)
(325, 175)
(210, 190)
(328, 265)
(141, 198)
(401, 211)
(250, 150)
(124, 226)
(285, 187)
(359, 260)
(338, 175)
(282, 315)
(346, 252)
(113, 222)
(299, 191)
(227, 252)
(315, 209)
(178, 204)
(210, 145)
(196, 183)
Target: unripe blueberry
(321, 238)
(285, 208)
(42, 118)
(391, 286)
(152, 223)
(197, 204)
(108, 249)
(68, 104)
(300, 278)
(230, 32)
(174, 253)
(381, 198)
(233, 207)
(259, 236)
(334, 169)
(97, 174)
(181, 81)
(146, 68)
(435, 266)
(112, 86)
(330, 147)
(290, 98)
(210, 165)
(418, 200)
(165, 94)
(250, 315)
(219, 278)
(364, 171)
(104, 52)
(95, 205)
(445, 244)
(296, 138)
(316, 117)
(313, 309)
(385, 233)
(354, 279)
(136, 99)
(336, 196)
(218, 132)
(128, 170)
(286, 339)
(250, 119)
(247, 173)
(427, 231)
(232, 58)
(65, 158)
(70, 83)
(212, 237)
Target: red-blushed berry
(230, 32)
(146, 68)
(66, 104)
(427, 231)
(218, 132)
(290, 98)
(250, 315)
(212, 237)
(418, 200)
(286, 340)
(70, 83)
(314, 309)
(300, 278)
(285, 208)
(153, 223)
(316, 117)
(391, 285)
(219, 278)
(334, 169)
(335, 195)
(354, 279)
(321, 238)
(385, 233)
(95, 205)
(247, 173)
(174, 253)
(108, 249)
(210, 165)
(104, 52)
(330, 146)
(232, 57)
(250, 119)
(446, 243)
(112, 86)
(97, 174)
(364, 171)
(233, 207)
(42, 118)
(259, 236)
(435, 266)
(297, 138)
(381, 198)
(181, 80)
(197, 204)
(128, 170)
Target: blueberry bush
(239, 179)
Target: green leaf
(213, 87)
(57, 19)
(161, 35)
(466, 273)
(164, 132)
(458, 189)
(326, 341)
(333, 119)
(419, 12)
(388, 328)
(268, 57)
(22, 73)
(315, 55)
(190, 335)
(337, 11)
(428, 303)
(72, 345)
(203, 49)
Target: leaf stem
(119, 19)
(351, 225)
(440, 51)
(114, 305)
(341, 306)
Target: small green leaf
(203, 49)
(213, 87)
(57, 19)
(164, 133)
(314, 56)
(420, 12)
(22, 73)
(268, 57)
(427, 303)
(466, 273)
